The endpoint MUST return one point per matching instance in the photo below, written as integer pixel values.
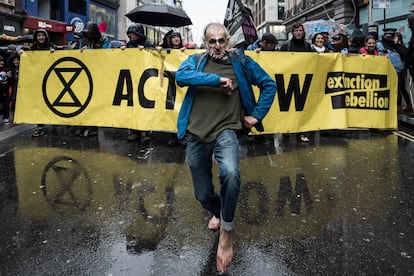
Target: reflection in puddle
(336, 208)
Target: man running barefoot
(218, 101)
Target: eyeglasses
(220, 41)
(336, 38)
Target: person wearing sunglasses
(340, 43)
(268, 42)
(218, 104)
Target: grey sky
(202, 13)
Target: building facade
(268, 16)
(154, 33)
(11, 22)
(61, 18)
(393, 16)
(75, 13)
(357, 16)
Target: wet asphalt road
(340, 205)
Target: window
(77, 6)
(280, 13)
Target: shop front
(57, 30)
(105, 17)
(11, 27)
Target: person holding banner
(41, 42)
(90, 38)
(268, 42)
(137, 39)
(318, 43)
(369, 48)
(298, 44)
(175, 41)
(340, 43)
(219, 102)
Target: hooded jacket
(247, 71)
(47, 45)
(171, 37)
(92, 38)
(138, 30)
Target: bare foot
(214, 223)
(224, 251)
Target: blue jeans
(226, 151)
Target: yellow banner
(136, 89)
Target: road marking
(6, 152)
(271, 162)
(404, 135)
(147, 152)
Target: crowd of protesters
(208, 75)
(9, 71)
(390, 44)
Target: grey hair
(215, 27)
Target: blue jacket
(247, 71)
(255, 45)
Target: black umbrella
(159, 15)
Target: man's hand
(250, 121)
(227, 85)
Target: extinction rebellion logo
(67, 87)
(356, 90)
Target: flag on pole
(239, 22)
